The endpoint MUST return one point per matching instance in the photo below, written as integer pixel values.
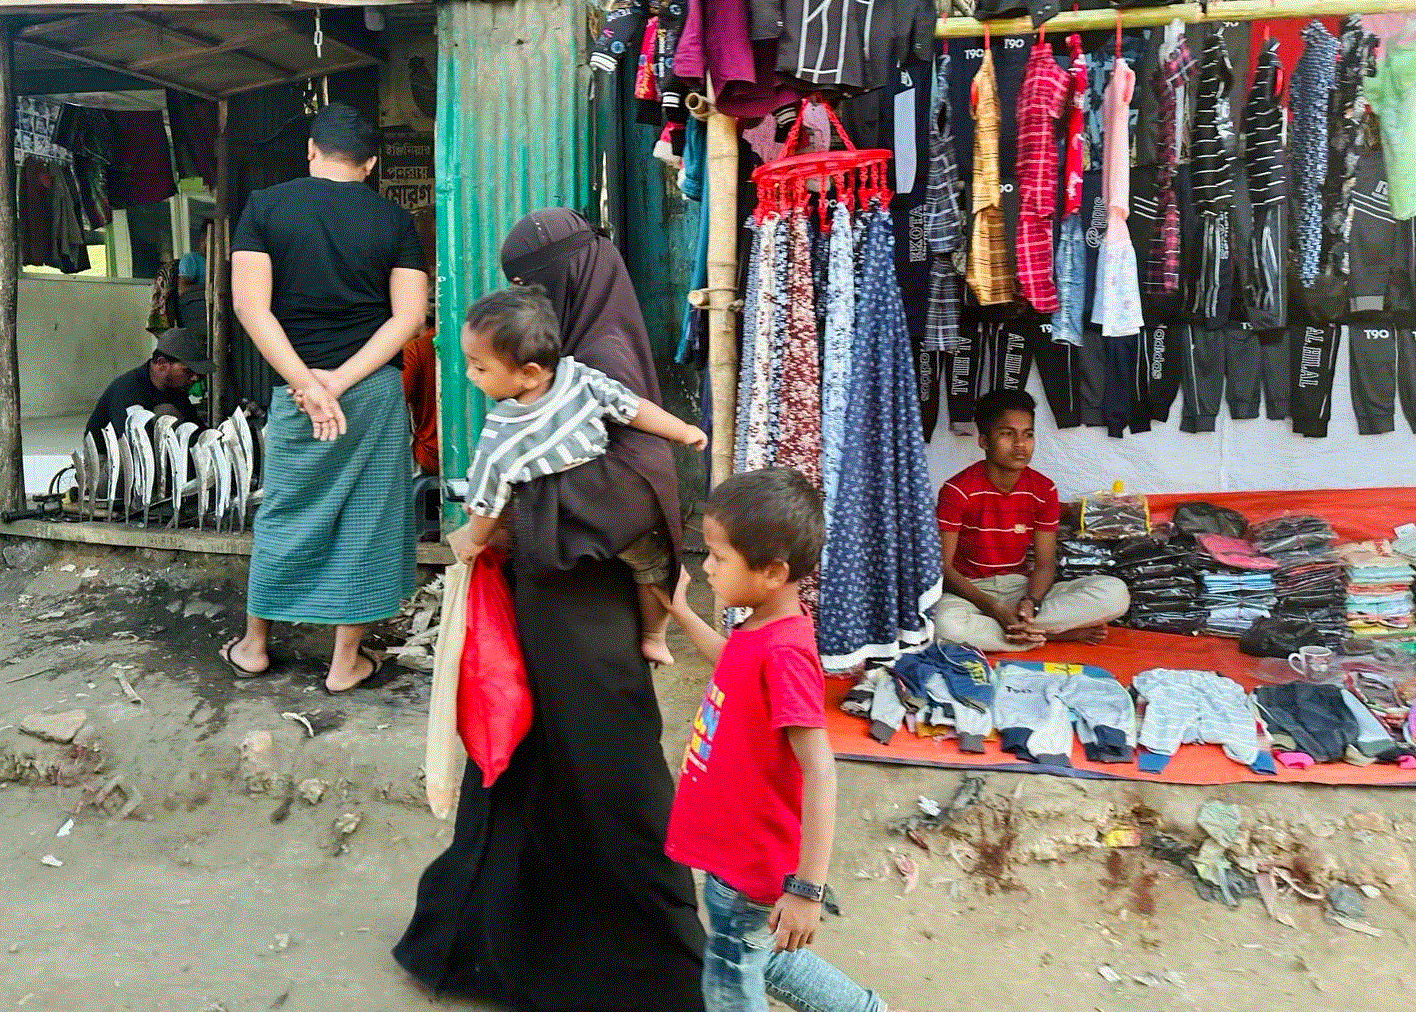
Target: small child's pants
(740, 969)
(648, 555)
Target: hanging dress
(836, 339)
(883, 575)
(1118, 292)
(798, 400)
(756, 397)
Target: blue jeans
(740, 969)
(1071, 270)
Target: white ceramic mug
(1313, 662)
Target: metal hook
(319, 37)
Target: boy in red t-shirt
(998, 531)
(756, 801)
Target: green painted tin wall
(514, 134)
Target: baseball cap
(192, 265)
(186, 348)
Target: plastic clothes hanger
(987, 47)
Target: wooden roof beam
(215, 49)
(49, 27)
(200, 39)
(117, 68)
(335, 68)
(58, 25)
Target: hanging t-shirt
(908, 99)
(1234, 37)
(330, 284)
(1010, 59)
(989, 272)
(1041, 103)
(1117, 305)
(1348, 112)
(1392, 92)
(1161, 254)
(141, 172)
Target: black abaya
(555, 895)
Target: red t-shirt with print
(737, 811)
(995, 528)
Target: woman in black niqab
(555, 895)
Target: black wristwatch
(807, 890)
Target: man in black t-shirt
(329, 282)
(160, 384)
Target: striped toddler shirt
(561, 429)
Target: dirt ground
(226, 889)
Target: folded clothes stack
(1310, 581)
(1110, 517)
(1236, 600)
(1379, 601)
(1292, 533)
(1163, 578)
(1079, 557)
(1312, 585)
(1237, 581)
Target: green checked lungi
(334, 538)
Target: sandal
(378, 665)
(236, 669)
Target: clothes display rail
(1151, 17)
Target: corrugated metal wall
(657, 230)
(514, 132)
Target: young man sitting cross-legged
(993, 516)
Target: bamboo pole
(219, 273)
(1145, 17)
(721, 220)
(12, 469)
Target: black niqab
(596, 509)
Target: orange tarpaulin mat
(1355, 514)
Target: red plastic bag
(493, 695)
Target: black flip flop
(236, 669)
(378, 666)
